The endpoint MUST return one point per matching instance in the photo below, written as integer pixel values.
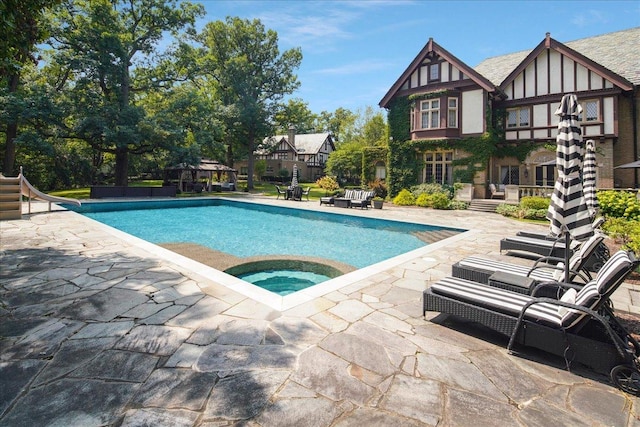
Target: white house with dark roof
(518, 94)
(309, 152)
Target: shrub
(432, 188)
(423, 200)
(534, 213)
(404, 198)
(624, 231)
(458, 205)
(328, 184)
(508, 210)
(535, 202)
(379, 188)
(619, 204)
(440, 200)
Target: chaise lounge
(580, 323)
(531, 245)
(522, 278)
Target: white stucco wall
(472, 112)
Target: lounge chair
(531, 245)
(596, 224)
(281, 192)
(580, 323)
(495, 193)
(327, 200)
(524, 279)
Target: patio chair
(580, 323)
(495, 193)
(525, 278)
(361, 199)
(296, 193)
(281, 192)
(306, 192)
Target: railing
(535, 190)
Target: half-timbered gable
(449, 97)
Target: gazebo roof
(206, 165)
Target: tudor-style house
(309, 152)
(517, 95)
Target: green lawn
(266, 188)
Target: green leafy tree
(100, 48)
(345, 162)
(297, 113)
(242, 61)
(22, 28)
(341, 124)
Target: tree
(341, 124)
(251, 77)
(21, 29)
(296, 112)
(100, 47)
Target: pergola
(206, 169)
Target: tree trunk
(229, 155)
(11, 133)
(250, 162)
(122, 167)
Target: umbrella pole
(567, 250)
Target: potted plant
(378, 202)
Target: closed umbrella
(294, 179)
(568, 210)
(589, 178)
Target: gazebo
(188, 176)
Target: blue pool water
(283, 282)
(247, 229)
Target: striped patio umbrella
(589, 178)
(294, 178)
(568, 210)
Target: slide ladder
(13, 188)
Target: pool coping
(274, 301)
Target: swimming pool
(246, 230)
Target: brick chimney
(292, 135)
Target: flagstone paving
(98, 331)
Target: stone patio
(98, 330)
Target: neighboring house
(512, 99)
(309, 152)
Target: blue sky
(353, 51)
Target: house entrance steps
(484, 205)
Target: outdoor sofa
(580, 324)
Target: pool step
(435, 235)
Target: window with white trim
(452, 116)
(438, 167)
(430, 114)
(590, 111)
(518, 117)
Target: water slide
(31, 192)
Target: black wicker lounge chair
(531, 245)
(596, 224)
(580, 324)
(523, 278)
